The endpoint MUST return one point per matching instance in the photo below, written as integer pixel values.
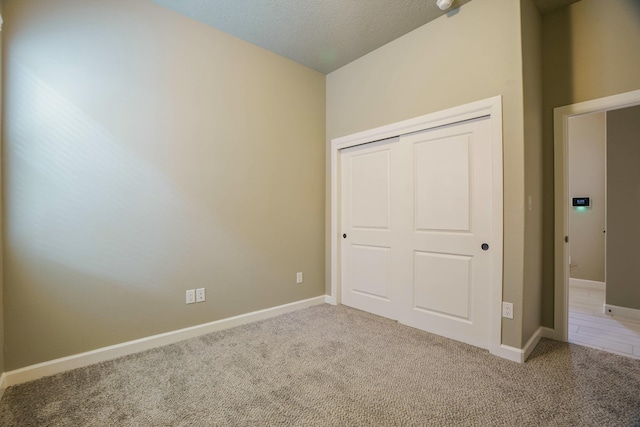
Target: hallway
(589, 326)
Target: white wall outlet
(191, 296)
(507, 310)
(200, 295)
(299, 277)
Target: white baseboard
(550, 333)
(520, 355)
(508, 352)
(590, 284)
(532, 343)
(617, 311)
(330, 300)
(2, 384)
(30, 373)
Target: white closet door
(368, 225)
(416, 211)
(445, 275)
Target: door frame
(491, 107)
(561, 116)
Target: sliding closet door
(369, 221)
(447, 262)
(416, 224)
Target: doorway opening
(597, 186)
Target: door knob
(344, 236)
(485, 247)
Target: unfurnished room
(320, 213)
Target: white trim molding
(488, 107)
(33, 372)
(520, 355)
(330, 300)
(561, 116)
(510, 353)
(3, 386)
(618, 311)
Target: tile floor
(589, 326)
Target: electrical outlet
(191, 296)
(507, 310)
(200, 295)
(299, 277)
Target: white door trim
(561, 117)
(488, 107)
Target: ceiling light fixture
(444, 4)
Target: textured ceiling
(321, 34)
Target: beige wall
(587, 153)
(532, 90)
(147, 154)
(471, 54)
(590, 50)
(623, 205)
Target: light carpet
(334, 366)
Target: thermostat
(581, 201)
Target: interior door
(368, 225)
(445, 273)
